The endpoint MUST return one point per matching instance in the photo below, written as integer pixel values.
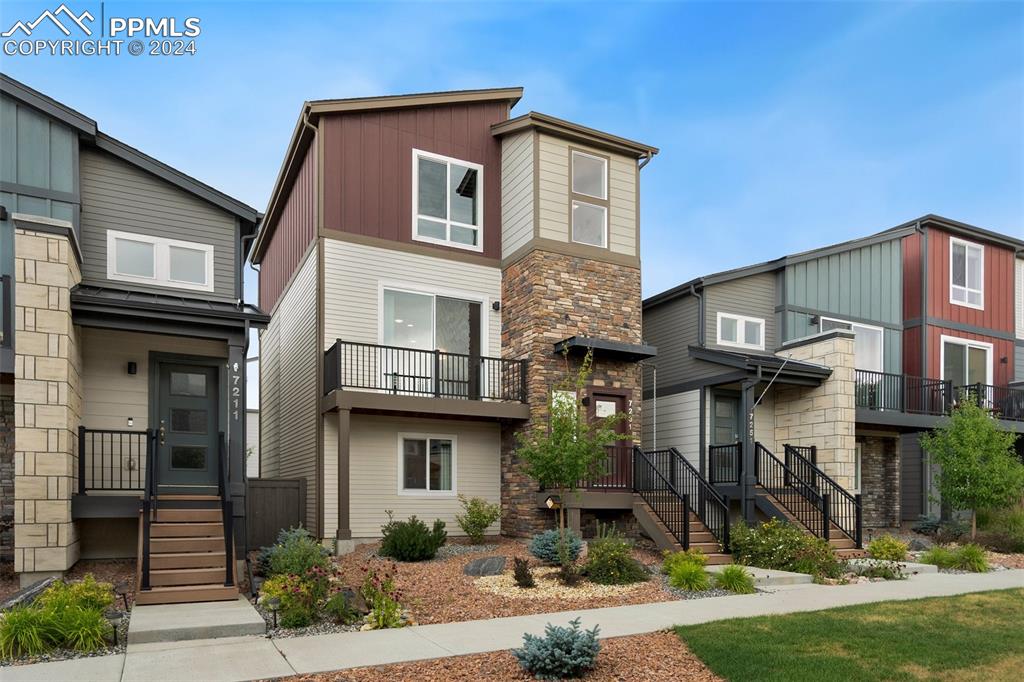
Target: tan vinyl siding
(751, 296)
(764, 422)
(354, 273)
(252, 443)
(375, 471)
(516, 192)
(110, 395)
(119, 196)
(330, 430)
(678, 424)
(288, 394)
(553, 194)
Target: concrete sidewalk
(247, 658)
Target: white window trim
(479, 227)
(984, 345)
(981, 292)
(572, 175)
(414, 492)
(881, 346)
(407, 288)
(161, 261)
(739, 331)
(604, 230)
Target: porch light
(553, 502)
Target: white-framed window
(867, 342)
(857, 458)
(965, 361)
(589, 199)
(966, 273)
(740, 331)
(447, 206)
(427, 465)
(144, 259)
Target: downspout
(702, 438)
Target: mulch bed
(657, 656)
(1006, 560)
(438, 591)
(9, 583)
(113, 571)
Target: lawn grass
(976, 636)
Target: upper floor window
(966, 362)
(966, 273)
(867, 342)
(159, 261)
(740, 331)
(447, 207)
(589, 204)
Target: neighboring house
(126, 342)
(823, 352)
(252, 443)
(426, 260)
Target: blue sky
(782, 126)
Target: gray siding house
(124, 343)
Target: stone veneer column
(47, 405)
(824, 416)
(546, 298)
(880, 480)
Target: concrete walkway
(247, 658)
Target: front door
(620, 454)
(725, 425)
(188, 437)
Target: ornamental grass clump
(411, 540)
(545, 546)
(562, 653)
(689, 576)
(27, 631)
(689, 556)
(887, 548)
(735, 578)
(964, 558)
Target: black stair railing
(148, 503)
(224, 491)
(725, 464)
(653, 486)
(796, 495)
(844, 508)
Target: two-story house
(428, 262)
(813, 367)
(126, 349)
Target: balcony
(366, 376)
(879, 393)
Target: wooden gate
(272, 505)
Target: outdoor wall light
(553, 502)
(496, 306)
(133, 368)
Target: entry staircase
(186, 543)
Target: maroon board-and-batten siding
(368, 166)
(293, 233)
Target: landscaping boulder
(488, 565)
(916, 545)
(355, 599)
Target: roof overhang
(765, 367)
(605, 349)
(575, 133)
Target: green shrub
(544, 546)
(295, 552)
(952, 531)
(27, 631)
(522, 574)
(784, 547)
(887, 548)
(298, 601)
(943, 557)
(1002, 530)
(411, 540)
(478, 517)
(338, 609)
(689, 556)
(561, 653)
(382, 595)
(82, 629)
(971, 558)
(735, 578)
(926, 525)
(85, 594)
(610, 559)
(690, 577)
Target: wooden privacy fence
(272, 505)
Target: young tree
(572, 447)
(975, 461)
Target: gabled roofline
(309, 115)
(967, 230)
(87, 129)
(575, 132)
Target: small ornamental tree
(573, 447)
(975, 461)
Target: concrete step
(764, 577)
(187, 560)
(209, 620)
(719, 559)
(175, 594)
(163, 577)
(208, 544)
(186, 530)
(162, 515)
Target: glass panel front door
(725, 425)
(188, 436)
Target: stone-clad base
(880, 480)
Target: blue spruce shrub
(561, 653)
(544, 545)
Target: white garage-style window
(740, 331)
(159, 261)
(447, 207)
(589, 199)
(426, 464)
(966, 273)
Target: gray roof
(167, 303)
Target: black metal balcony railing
(615, 472)
(919, 395)
(431, 373)
(1004, 401)
(725, 464)
(113, 460)
(844, 508)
